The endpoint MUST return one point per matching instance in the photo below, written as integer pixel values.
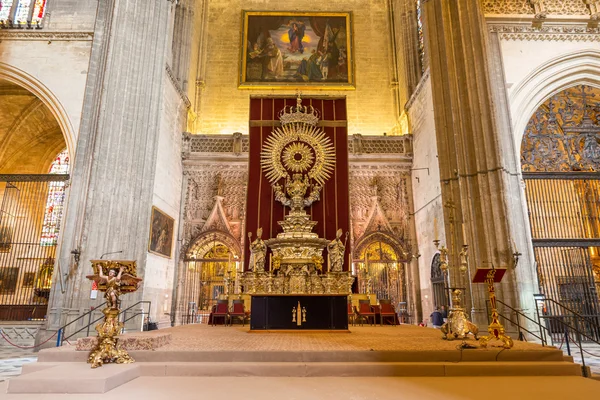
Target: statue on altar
(336, 251)
(258, 252)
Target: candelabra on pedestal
(458, 325)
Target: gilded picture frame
(162, 227)
(297, 50)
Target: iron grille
(564, 213)
(30, 215)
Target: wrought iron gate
(30, 213)
(564, 211)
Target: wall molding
(177, 87)
(19, 34)
(546, 32)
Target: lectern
(495, 329)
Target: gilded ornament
(113, 283)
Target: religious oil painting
(161, 233)
(297, 50)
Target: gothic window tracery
(55, 201)
(22, 13)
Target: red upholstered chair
(365, 311)
(221, 311)
(386, 310)
(237, 312)
(351, 314)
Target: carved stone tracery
(564, 133)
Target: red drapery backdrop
(332, 212)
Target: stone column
(113, 175)
(477, 163)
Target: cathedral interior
(165, 163)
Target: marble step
(494, 354)
(79, 378)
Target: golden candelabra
(457, 325)
(113, 278)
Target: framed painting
(161, 233)
(297, 50)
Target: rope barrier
(26, 347)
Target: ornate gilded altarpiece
(215, 179)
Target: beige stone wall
(160, 271)
(223, 108)
(427, 193)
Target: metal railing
(571, 322)
(520, 316)
(61, 338)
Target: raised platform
(206, 351)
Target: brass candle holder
(457, 325)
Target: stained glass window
(421, 34)
(22, 12)
(5, 6)
(39, 9)
(55, 201)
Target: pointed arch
(25, 80)
(558, 74)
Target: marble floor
(12, 360)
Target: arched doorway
(560, 161)
(438, 284)
(381, 269)
(211, 268)
(34, 167)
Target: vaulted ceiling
(30, 137)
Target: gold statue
(258, 252)
(336, 250)
(114, 285)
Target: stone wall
(160, 271)
(223, 108)
(427, 192)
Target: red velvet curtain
(332, 212)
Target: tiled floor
(12, 360)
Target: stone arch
(28, 82)
(200, 244)
(383, 237)
(556, 75)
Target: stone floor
(332, 388)
(403, 337)
(12, 360)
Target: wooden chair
(351, 313)
(221, 310)
(386, 310)
(238, 311)
(364, 310)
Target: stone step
(70, 355)
(74, 378)
(79, 378)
